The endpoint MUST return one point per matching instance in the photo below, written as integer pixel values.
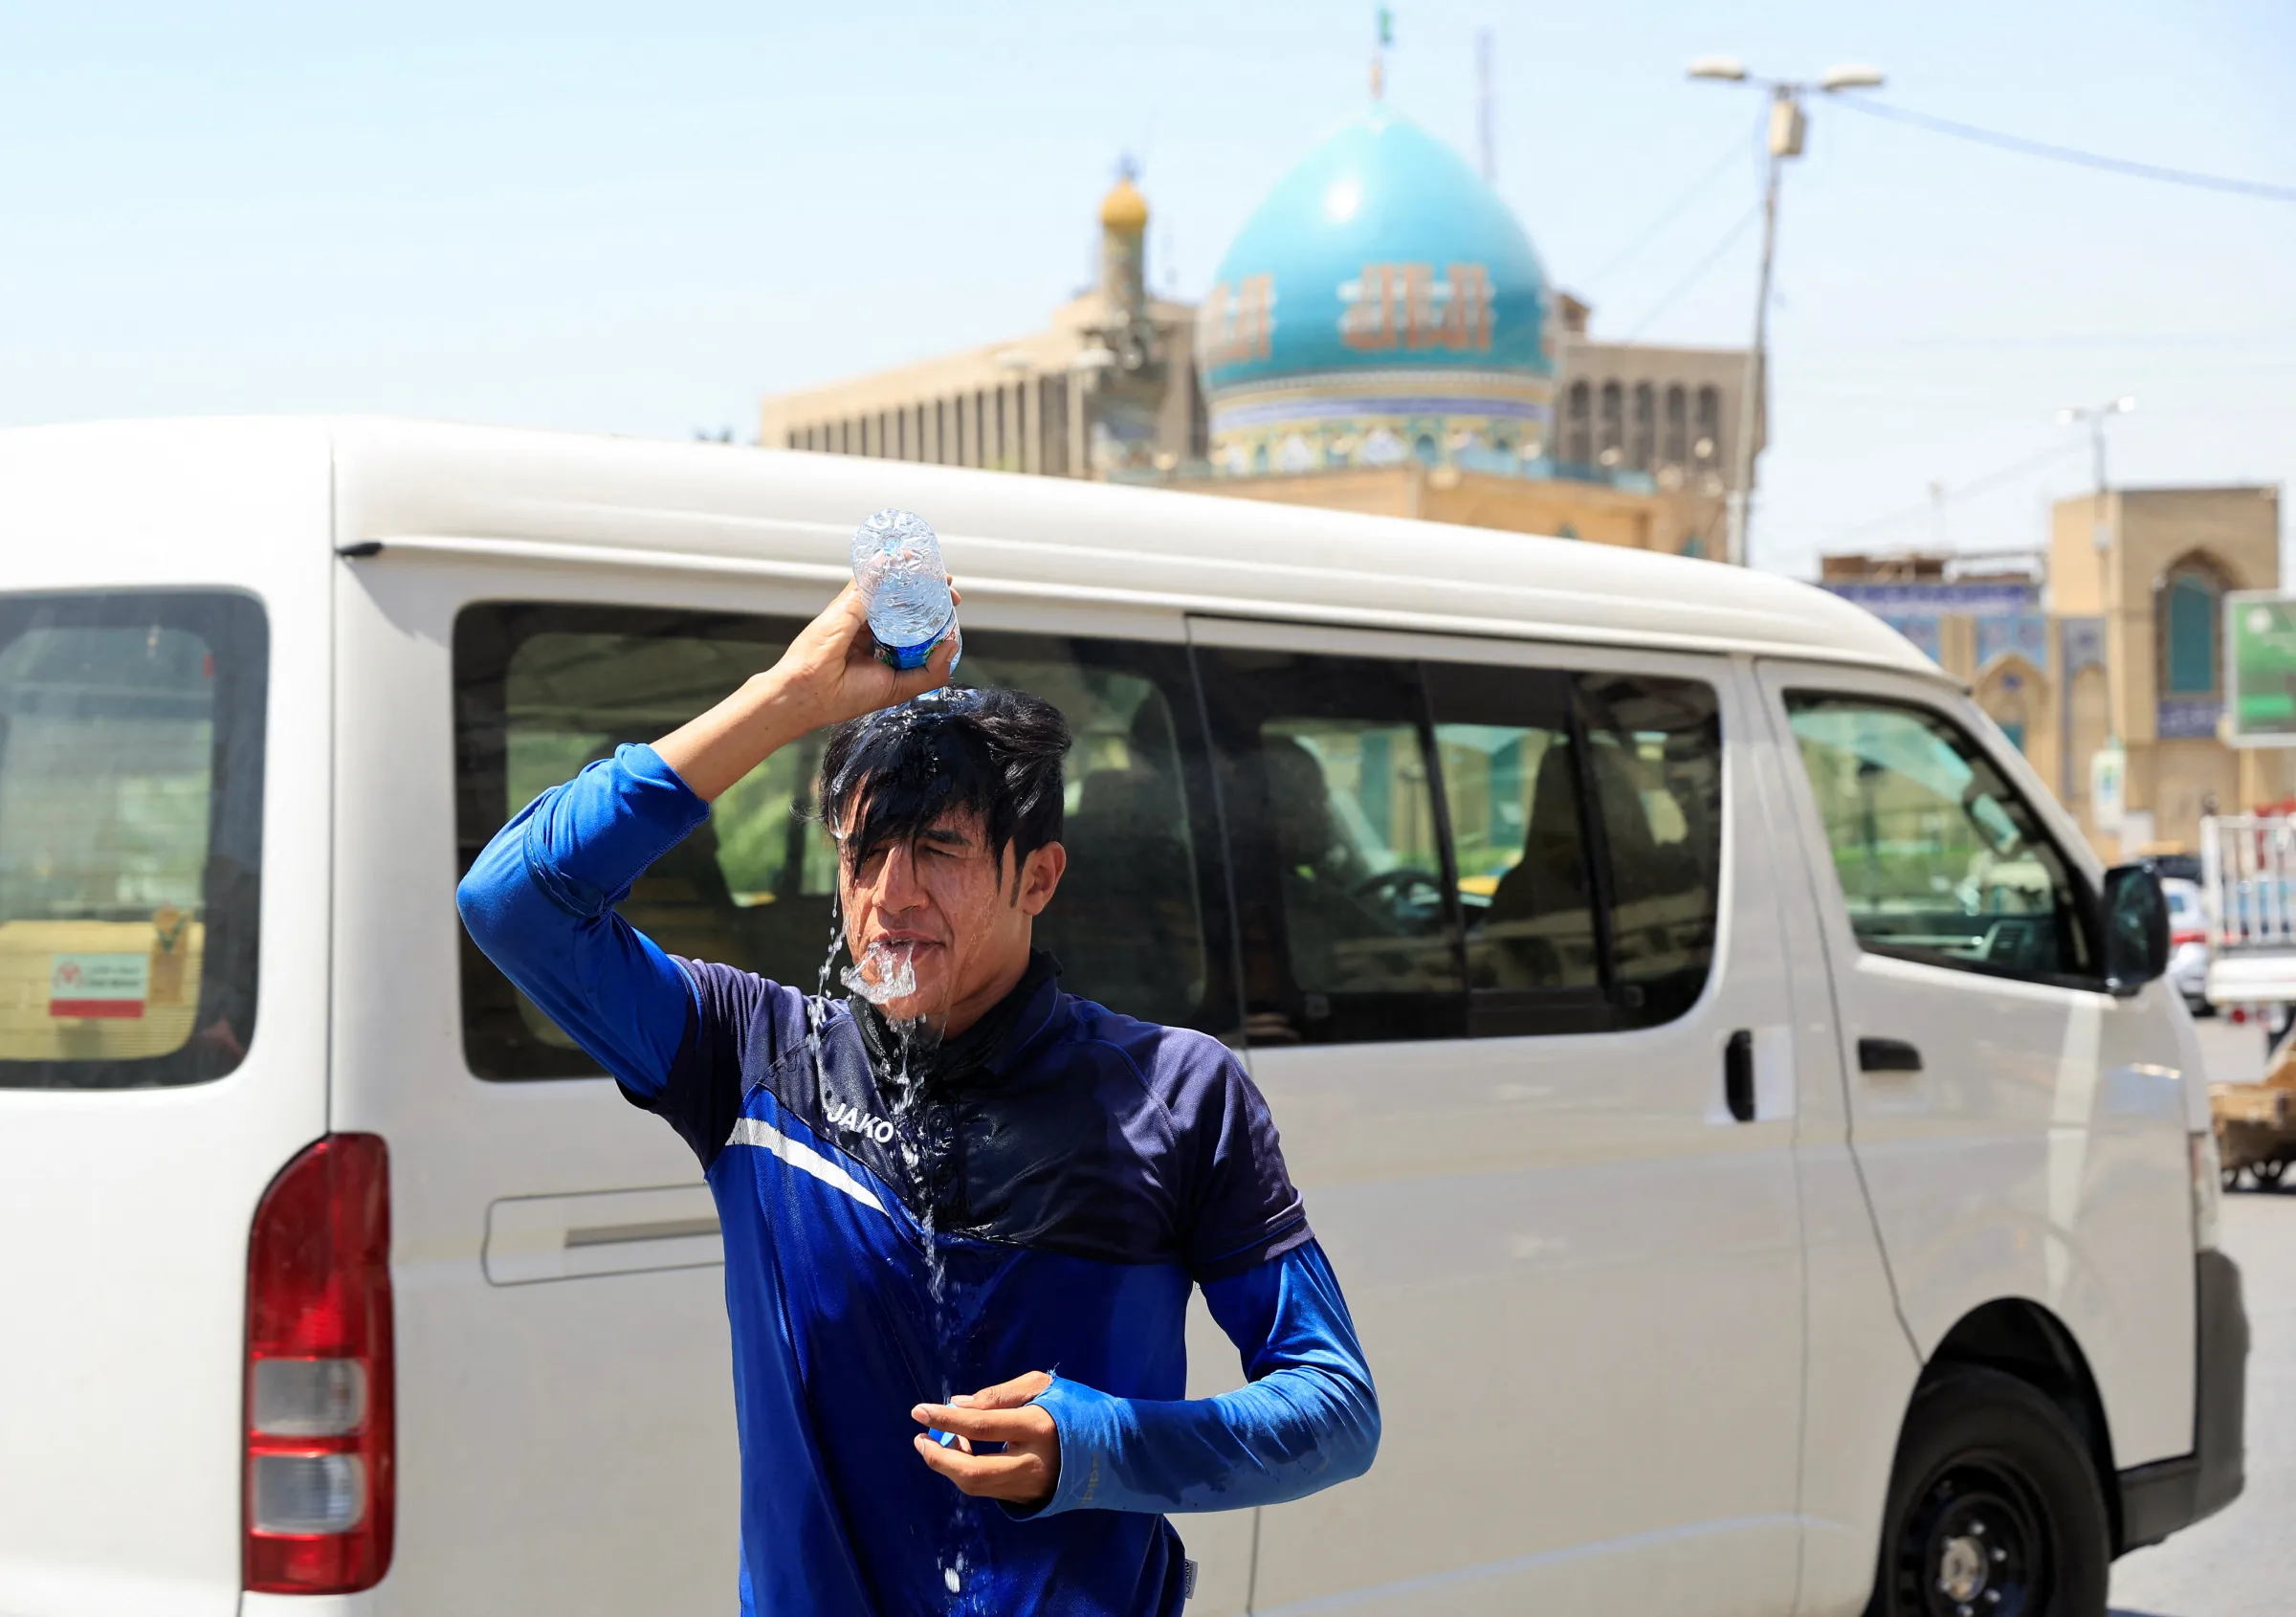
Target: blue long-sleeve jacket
(890, 1244)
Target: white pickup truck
(2248, 867)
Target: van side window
(1585, 810)
(1654, 750)
(131, 836)
(543, 688)
(1938, 858)
(1349, 918)
(1510, 779)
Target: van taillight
(317, 1491)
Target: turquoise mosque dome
(1381, 302)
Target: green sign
(2259, 666)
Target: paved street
(2242, 1563)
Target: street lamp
(1787, 128)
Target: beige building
(1105, 387)
(1678, 520)
(2149, 568)
(2122, 649)
(1670, 412)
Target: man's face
(961, 919)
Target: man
(979, 1183)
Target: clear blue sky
(641, 219)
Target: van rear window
(131, 786)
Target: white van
(1763, 1164)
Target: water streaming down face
(932, 803)
(882, 975)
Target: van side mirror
(2136, 928)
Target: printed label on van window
(110, 985)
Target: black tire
(2268, 1174)
(1994, 1493)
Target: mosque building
(1381, 337)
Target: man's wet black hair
(994, 753)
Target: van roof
(726, 509)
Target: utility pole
(1782, 139)
(2096, 415)
(2100, 535)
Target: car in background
(2188, 942)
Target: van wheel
(1994, 1508)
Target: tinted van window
(1510, 779)
(1349, 919)
(1585, 810)
(543, 688)
(1433, 850)
(131, 831)
(1654, 753)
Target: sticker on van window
(104, 985)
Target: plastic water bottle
(896, 562)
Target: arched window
(1707, 445)
(1579, 427)
(2187, 608)
(1675, 450)
(1613, 420)
(1642, 439)
(2016, 695)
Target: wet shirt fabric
(1042, 1194)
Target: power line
(1697, 272)
(1674, 210)
(2068, 154)
(1976, 486)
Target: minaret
(1124, 253)
(1124, 389)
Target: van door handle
(1887, 1055)
(1737, 1075)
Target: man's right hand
(830, 672)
